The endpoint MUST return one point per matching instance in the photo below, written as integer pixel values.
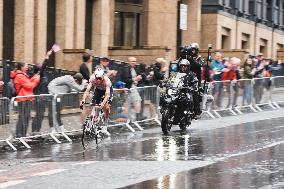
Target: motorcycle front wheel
(182, 126)
(165, 124)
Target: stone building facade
(146, 29)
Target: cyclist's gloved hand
(82, 104)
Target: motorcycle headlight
(170, 92)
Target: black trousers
(24, 110)
(41, 103)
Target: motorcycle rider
(187, 78)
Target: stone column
(160, 21)
(24, 30)
(192, 34)
(40, 32)
(64, 28)
(112, 15)
(101, 27)
(80, 15)
(1, 28)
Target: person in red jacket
(230, 77)
(24, 86)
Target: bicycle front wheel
(88, 133)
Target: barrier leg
(156, 119)
(54, 138)
(253, 109)
(129, 127)
(24, 143)
(232, 111)
(209, 113)
(238, 110)
(138, 126)
(218, 115)
(271, 105)
(11, 145)
(276, 105)
(258, 108)
(66, 136)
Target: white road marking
(85, 163)
(50, 172)
(2, 171)
(39, 163)
(11, 183)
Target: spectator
(24, 86)
(131, 78)
(258, 73)
(119, 110)
(1, 87)
(42, 102)
(248, 75)
(218, 67)
(84, 70)
(65, 84)
(232, 74)
(104, 64)
(275, 68)
(157, 72)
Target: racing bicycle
(94, 127)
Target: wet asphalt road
(225, 153)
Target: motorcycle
(176, 107)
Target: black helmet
(184, 66)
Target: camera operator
(157, 71)
(191, 53)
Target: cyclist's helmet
(184, 66)
(99, 73)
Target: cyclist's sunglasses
(99, 78)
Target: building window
(51, 27)
(88, 24)
(245, 41)
(279, 46)
(252, 7)
(225, 38)
(8, 29)
(127, 23)
(263, 46)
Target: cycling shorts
(99, 95)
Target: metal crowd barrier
(128, 106)
(236, 97)
(5, 125)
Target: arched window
(127, 22)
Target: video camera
(188, 51)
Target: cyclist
(103, 91)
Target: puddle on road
(195, 145)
